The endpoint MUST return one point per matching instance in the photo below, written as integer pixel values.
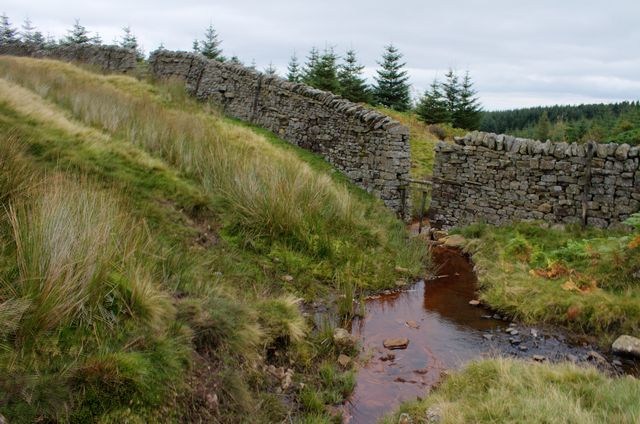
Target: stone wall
(367, 146)
(499, 179)
(107, 58)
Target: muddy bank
(444, 331)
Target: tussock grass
(512, 391)
(594, 291)
(267, 195)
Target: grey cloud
(519, 53)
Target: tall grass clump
(267, 196)
(85, 327)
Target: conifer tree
(321, 70)
(161, 46)
(466, 112)
(29, 34)
(451, 91)
(308, 73)
(543, 128)
(8, 34)
(77, 35)
(352, 85)
(432, 107)
(235, 60)
(96, 39)
(391, 89)
(294, 73)
(130, 41)
(210, 46)
(271, 70)
(195, 46)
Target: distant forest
(617, 122)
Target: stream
(444, 332)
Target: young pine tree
(29, 33)
(308, 73)
(325, 74)
(467, 112)
(195, 46)
(451, 91)
(543, 127)
(432, 107)
(352, 85)
(130, 41)
(77, 35)
(294, 73)
(271, 70)
(391, 89)
(8, 34)
(210, 46)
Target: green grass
(512, 391)
(172, 277)
(582, 279)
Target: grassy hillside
(153, 257)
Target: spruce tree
(271, 70)
(130, 41)
(77, 35)
(467, 112)
(543, 128)
(96, 39)
(235, 60)
(432, 107)
(294, 73)
(324, 75)
(195, 46)
(451, 91)
(210, 46)
(8, 34)
(352, 85)
(391, 89)
(308, 73)
(29, 33)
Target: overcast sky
(518, 53)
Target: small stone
(488, 336)
(539, 358)
(595, 356)
(287, 278)
(405, 419)
(396, 343)
(514, 332)
(617, 362)
(456, 241)
(572, 358)
(434, 415)
(496, 316)
(401, 270)
(486, 317)
(344, 360)
(534, 332)
(401, 283)
(474, 302)
(523, 348)
(412, 324)
(388, 357)
(627, 345)
(342, 338)
(515, 341)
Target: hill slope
(153, 253)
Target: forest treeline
(615, 122)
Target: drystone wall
(500, 179)
(368, 147)
(107, 58)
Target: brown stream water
(450, 332)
